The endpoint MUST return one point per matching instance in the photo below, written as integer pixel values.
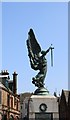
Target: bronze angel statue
(37, 59)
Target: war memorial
(41, 105)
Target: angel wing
(33, 49)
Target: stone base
(41, 91)
(43, 107)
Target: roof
(66, 94)
(7, 89)
(2, 86)
(24, 95)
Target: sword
(52, 55)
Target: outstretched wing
(33, 48)
(34, 44)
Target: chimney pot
(15, 82)
(4, 72)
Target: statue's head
(42, 52)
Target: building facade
(9, 99)
(64, 105)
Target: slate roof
(66, 94)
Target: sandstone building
(9, 99)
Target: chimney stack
(15, 83)
(4, 72)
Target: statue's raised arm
(37, 59)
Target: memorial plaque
(43, 116)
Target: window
(26, 105)
(11, 102)
(21, 107)
(6, 83)
(11, 117)
(17, 105)
(21, 115)
(8, 100)
(15, 101)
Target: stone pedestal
(43, 107)
(41, 91)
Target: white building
(24, 98)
